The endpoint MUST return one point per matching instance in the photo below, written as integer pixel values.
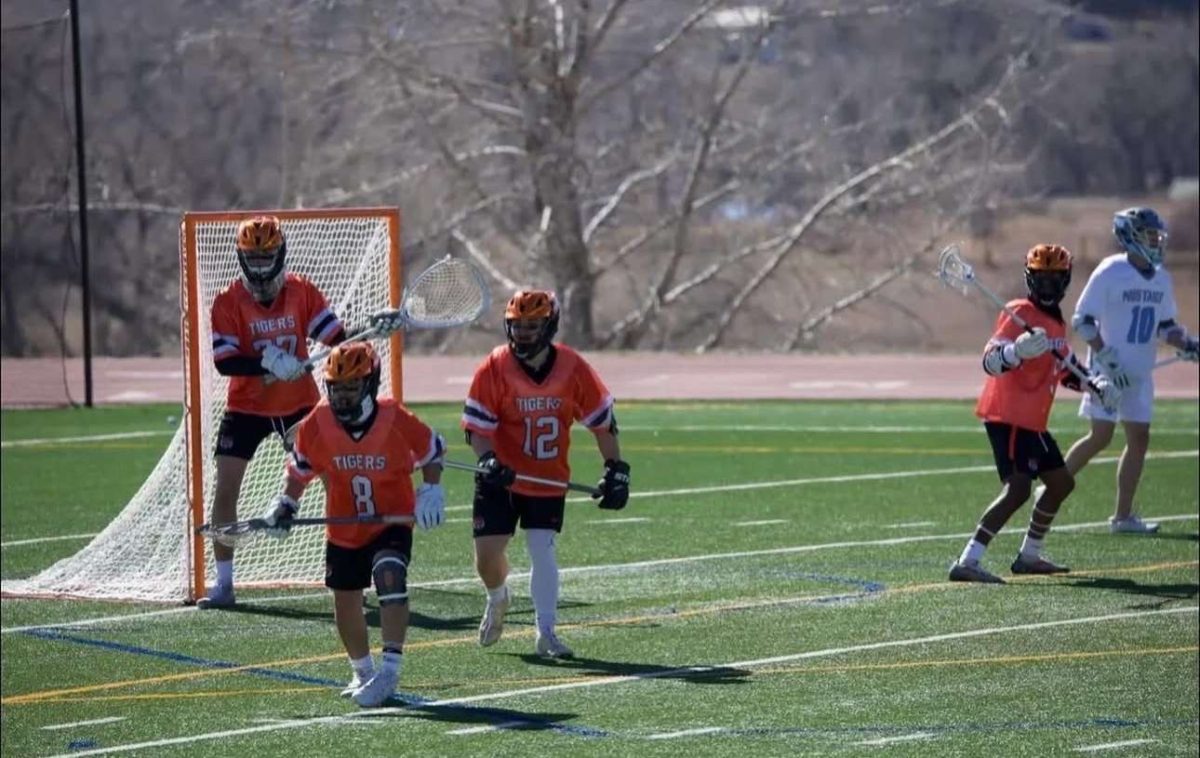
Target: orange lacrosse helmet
(1047, 273)
(348, 362)
(261, 250)
(531, 305)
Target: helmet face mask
(530, 322)
(1047, 274)
(1142, 234)
(262, 252)
(352, 382)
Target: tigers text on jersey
(1128, 307)
(243, 326)
(1023, 396)
(529, 422)
(366, 476)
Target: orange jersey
(243, 326)
(528, 422)
(367, 476)
(1023, 396)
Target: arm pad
(1085, 326)
(240, 365)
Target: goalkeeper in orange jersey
(365, 451)
(1024, 367)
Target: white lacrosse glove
(1111, 366)
(388, 322)
(281, 364)
(431, 505)
(1032, 344)
(1190, 351)
(279, 515)
(1106, 392)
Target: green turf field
(775, 587)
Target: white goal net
(150, 551)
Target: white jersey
(1128, 307)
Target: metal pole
(85, 277)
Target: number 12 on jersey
(1141, 325)
(541, 437)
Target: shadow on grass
(501, 718)
(598, 668)
(1164, 592)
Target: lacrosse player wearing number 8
(523, 399)
(365, 451)
(1024, 369)
(1127, 305)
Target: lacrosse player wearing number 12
(518, 414)
(1127, 305)
(1023, 373)
(365, 451)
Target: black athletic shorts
(241, 433)
(1022, 451)
(349, 568)
(498, 511)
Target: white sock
(391, 660)
(543, 577)
(496, 594)
(1031, 548)
(972, 552)
(364, 666)
(225, 573)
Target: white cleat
(492, 625)
(354, 684)
(1132, 524)
(550, 646)
(377, 690)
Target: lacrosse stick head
(451, 292)
(229, 535)
(953, 270)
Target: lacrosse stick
(960, 275)
(238, 531)
(451, 292)
(572, 486)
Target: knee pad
(390, 572)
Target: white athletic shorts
(1137, 403)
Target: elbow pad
(1085, 326)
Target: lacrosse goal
(151, 550)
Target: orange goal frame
(190, 325)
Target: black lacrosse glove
(495, 473)
(614, 487)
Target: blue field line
(414, 701)
(866, 586)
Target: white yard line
(1112, 746)
(90, 722)
(39, 540)
(764, 522)
(909, 525)
(89, 438)
(630, 520)
(666, 561)
(604, 681)
(799, 429)
(686, 733)
(899, 738)
(488, 727)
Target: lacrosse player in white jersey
(1126, 306)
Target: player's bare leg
(1012, 497)
(1129, 467)
(491, 563)
(230, 472)
(1089, 446)
(390, 575)
(1058, 484)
